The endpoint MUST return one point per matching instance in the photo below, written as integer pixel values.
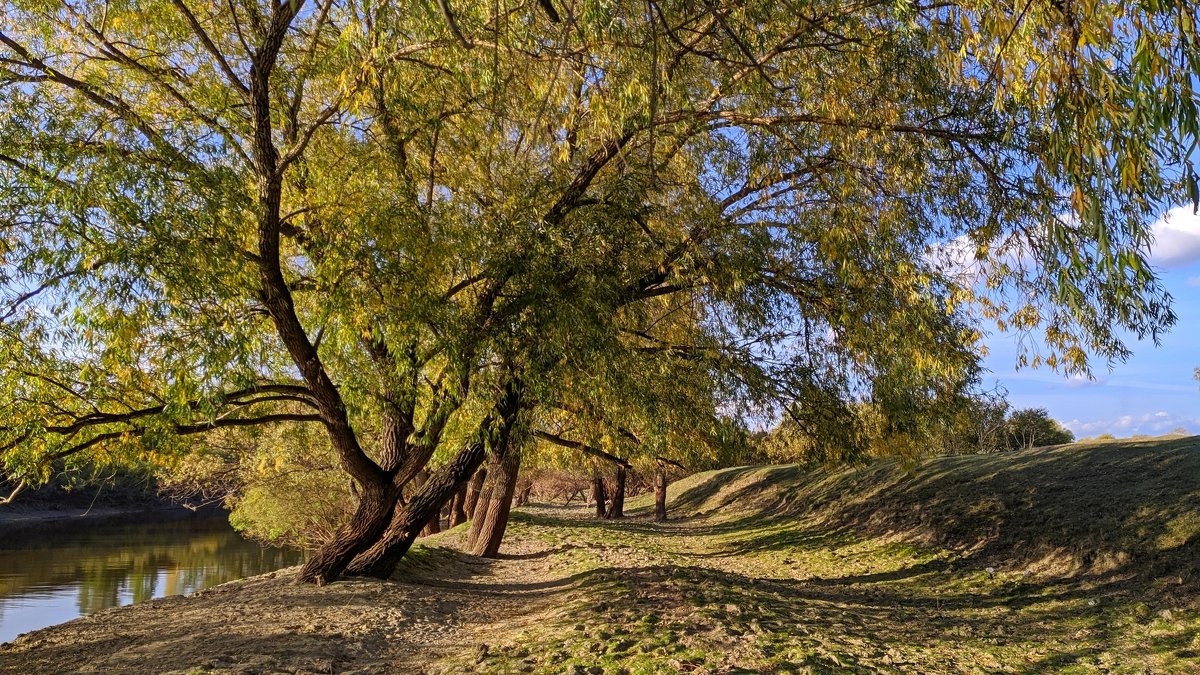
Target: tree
(415, 228)
(989, 419)
(1032, 427)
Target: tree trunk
(435, 523)
(380, 560)
(474, 489)
(524, 492)
(502, 474)
(375, 508)
(598, 495)
(458, 512)
(617, 508)
(480, 517)
(479, 514)
(660, 495)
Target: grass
(1079, 558)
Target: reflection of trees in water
(119, 564)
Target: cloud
(1176, 244)
(1150, 424)
(1083, 382)
(1176, 239)
(957, 258)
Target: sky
(1153, 393)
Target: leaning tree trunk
(502, 474)
(375, 507)
(660, 495)
(474, 489)
(435, 523)
(617, 508)
(598, 494)
(380, 560)
(458, 512)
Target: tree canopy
(424, 228)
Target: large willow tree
(415, 223)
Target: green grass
(1080, 559)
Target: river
(67, 570)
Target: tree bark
(479, 515)
(435, 523)
(502, 474)
(380, 559)
(474, 489)
(660, 495)
(458, 512)
(375, 508)
(598, 494)
(480, 518)
(617, 508)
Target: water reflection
(55, 576)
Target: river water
(68, 570)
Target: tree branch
(582, 447)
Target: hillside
(1080, 558)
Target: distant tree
(989, 418)
(1032, 427)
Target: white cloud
(1176, 239)
(1148, 424)
(1176, 244)
(957, 259)
(1083, 381)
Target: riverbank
(18, 523)
(1076, 559)
(268, 624)
(123, 498)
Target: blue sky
(1154, 391)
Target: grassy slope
(1074, 559)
